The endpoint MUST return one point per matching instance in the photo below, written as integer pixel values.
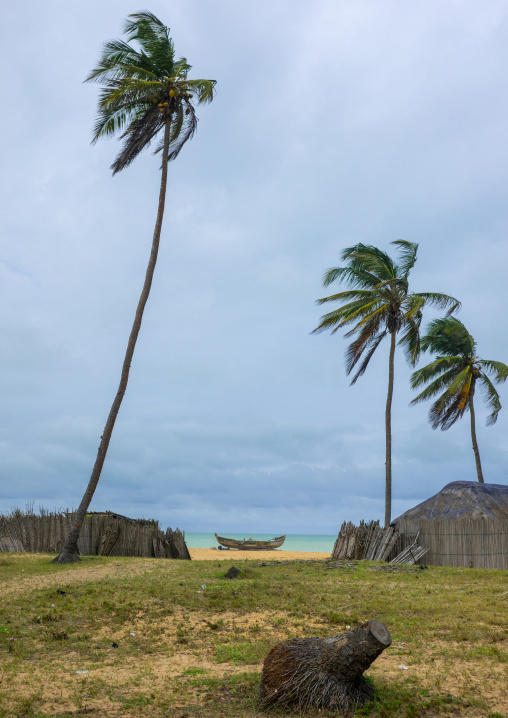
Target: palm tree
(146, 92)
(378, 304)
(453, 375)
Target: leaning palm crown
(146, 90)
(379, 304)
(453, 376)
(454, 373)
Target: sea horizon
(322, 543)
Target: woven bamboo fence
(103, 534)
(465, 542)
(469, 543)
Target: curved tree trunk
(69, 552)
(388, 427)
(473, 439)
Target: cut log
(323, 673)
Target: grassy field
(147, 637)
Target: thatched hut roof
(463, 499)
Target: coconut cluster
(168, 99)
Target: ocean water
(293, 542)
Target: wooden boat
(250, 544)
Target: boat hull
(251, 544)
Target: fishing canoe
(250, 544)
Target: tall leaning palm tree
(146, 94)
(376, 305)
(453, 376)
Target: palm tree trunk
(69, 552)
(473, 439)
(388, 426)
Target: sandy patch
(86, 574)
(213, 554)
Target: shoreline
(213, 554)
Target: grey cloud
(334, 123)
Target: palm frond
(130, 88)
(182, 130)
(374, 342)
(359, 309)
(204, 89)
(123, 72)
(366, 337)
(345, 315)
(448, 336)
(355, 277)
(111, 122)
(138, 136)
(491, 398)
(395, 288)
(440, 384)
(435, 369)
(115, 54)
(410, 340)
(446, 411)
(149, 31)
(441, 301)
(461, 378)
(372, 259)
(181, 69)
(497, 368)
(366, 294)
(148, 19)
(378, 314)
(451, 405)
(407, 253)
(412, 306)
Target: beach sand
(213, 554)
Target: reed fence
(467, 543)
(103, 534)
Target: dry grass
(197, 652)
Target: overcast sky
(335, 122)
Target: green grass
(242, 653)
(198, 651)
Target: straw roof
(463, 499)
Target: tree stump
(323, 673)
